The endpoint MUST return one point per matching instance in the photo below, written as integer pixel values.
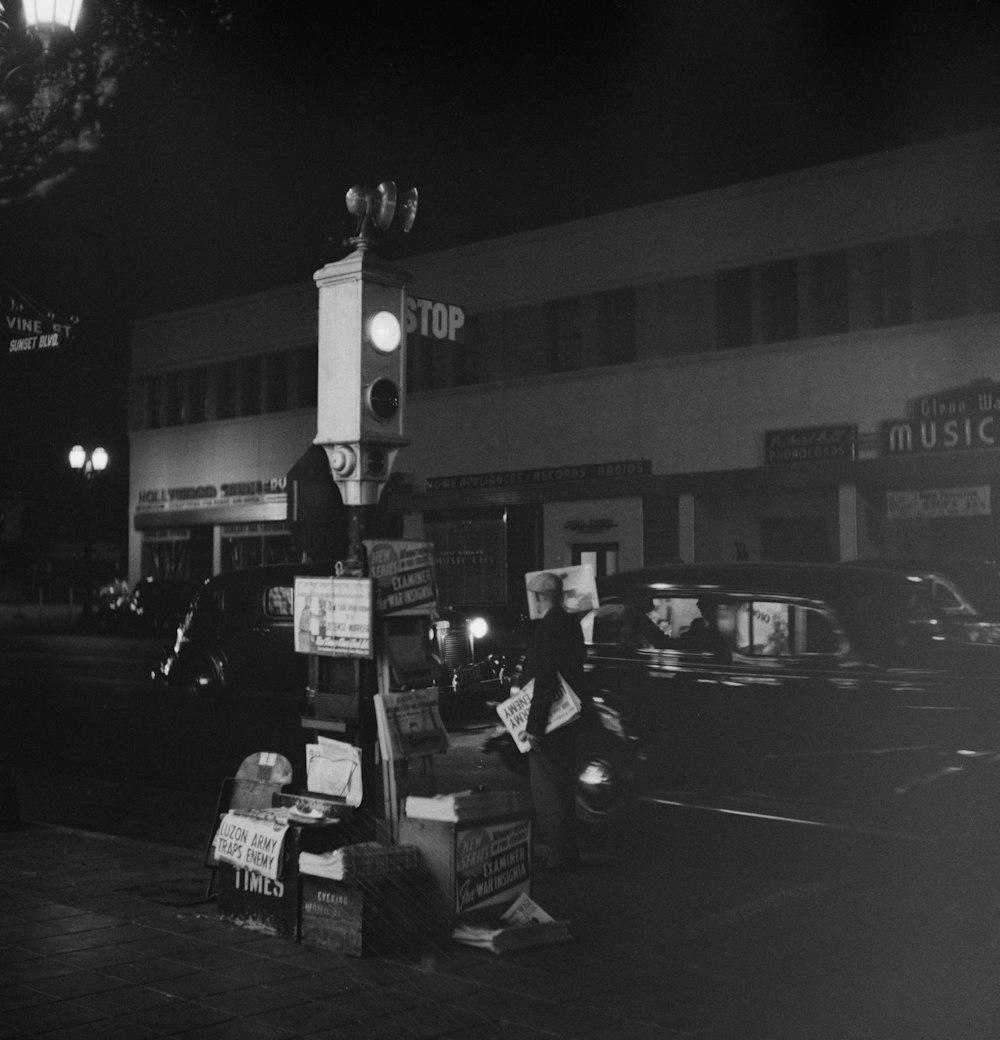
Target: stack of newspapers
(523, 924)
(466, 805)
(364, 862)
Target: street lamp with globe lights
(88, 466)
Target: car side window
(947, 600)
(241, 600)
(611, 624)
(278, 601)
(773, 629)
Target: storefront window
(470, 556)
(252, 545)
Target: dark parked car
(478, 652)
(239, 637)
(967, 592)
(157, 606)
(812, 692)
(239, 634)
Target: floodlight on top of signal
(375, 208)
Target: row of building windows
(951, 274)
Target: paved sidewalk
(104, 937)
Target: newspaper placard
(513, 712)
(492, 863)
(253, 844)
(409, 724)
(334, 616)
(403, 573)
(579, 589)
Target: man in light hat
(558, 648)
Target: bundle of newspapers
(366, 861)
(466, 805)
(523, 924)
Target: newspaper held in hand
(513, 712)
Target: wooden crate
(474, 863)
(388, 916)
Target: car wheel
(602, 777)
(206, 681)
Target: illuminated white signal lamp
(46, 16)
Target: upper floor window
(250, 385)
(733, 309)
(616, 327)
(154, 394)
(779, 301)
(306, 376)
(276, 381)
(889, 284)
(566, 336)
(174, 405)
(827, 273)
(943, 275)
(225, 390)
(198, 395)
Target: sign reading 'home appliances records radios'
(965, 419)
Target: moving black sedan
(825, 693)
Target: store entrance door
(602, 556)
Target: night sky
(225, 162)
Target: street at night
(631, 370)
(736, 927)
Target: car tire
(602, 777)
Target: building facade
(801, 367)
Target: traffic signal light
(362, 368)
